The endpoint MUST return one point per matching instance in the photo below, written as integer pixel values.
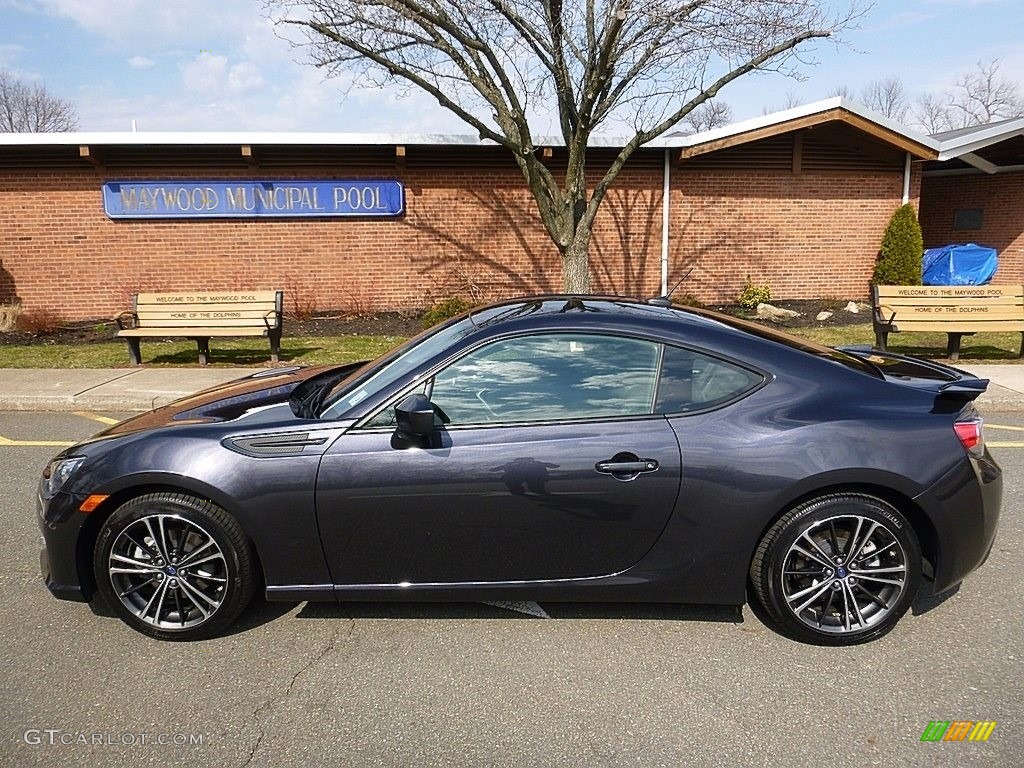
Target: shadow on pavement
(629, 611)
(926, 601)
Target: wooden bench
(956, 310)
(202, 316)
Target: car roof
(714, 331)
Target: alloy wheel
(169, 572)
(844, 574)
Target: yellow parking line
(96, 417)
(1004, 445)
(53, 443)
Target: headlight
(57, 473)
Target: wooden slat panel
(202, 316)
(170, 333)
(966, 327)
(992, 301)
(199, 323)
(947, 291)
(248, 306)
(207, 297)
(944, 315)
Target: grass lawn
(983, 347)
(312, 350)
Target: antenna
(666, 300)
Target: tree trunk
(576, 266)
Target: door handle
(626, 467)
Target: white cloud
(140, 62)
(9, 53)
(141, 22)
(244, 76)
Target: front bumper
(62, 565)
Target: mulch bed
(409, 324)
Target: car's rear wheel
(174, 566)
(838, 570)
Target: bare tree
(843, 91)
(26, 108)
(978, 96)
(981, 96)
(498, 64)
(710, 114)
(791, 100)
(932, 113)
(888, 97)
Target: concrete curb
(100, 389)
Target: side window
(691, 381)
(549, 377)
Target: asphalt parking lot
(473, 684)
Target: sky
(197, 65)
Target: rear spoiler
(966, 389)
(945, 381)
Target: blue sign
(260, 199)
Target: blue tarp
(959, 265)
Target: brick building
(798, 200)
(974, 192)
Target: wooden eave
(881, 133)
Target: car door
(551, 466)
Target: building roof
(962, 144)
(741, 132)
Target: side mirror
(415, 415)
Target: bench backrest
(912, 307)
(219, 309)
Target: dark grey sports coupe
(555, 448)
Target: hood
(236, 398)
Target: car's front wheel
(838, 570)
(174, 566)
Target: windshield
(794, 342)
(391, 367)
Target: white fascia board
(980, 139)
(796, 113)
(264, 138)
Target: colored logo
(958, 730)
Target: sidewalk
(105, 389)
(139, 389)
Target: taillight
(970, 436)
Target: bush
(9, 316)
(39, 322)
(899, 260)
(752, 295)
(688, 300)
(446, 309)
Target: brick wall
(809, 235)
(466, 230)
(1001, 198)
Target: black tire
(873, 572)
(174, 567)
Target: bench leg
(134, 354)
(204, 351)
(953, 346)
(275, 345)
(881, 339)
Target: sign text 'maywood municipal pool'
(233, 199)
